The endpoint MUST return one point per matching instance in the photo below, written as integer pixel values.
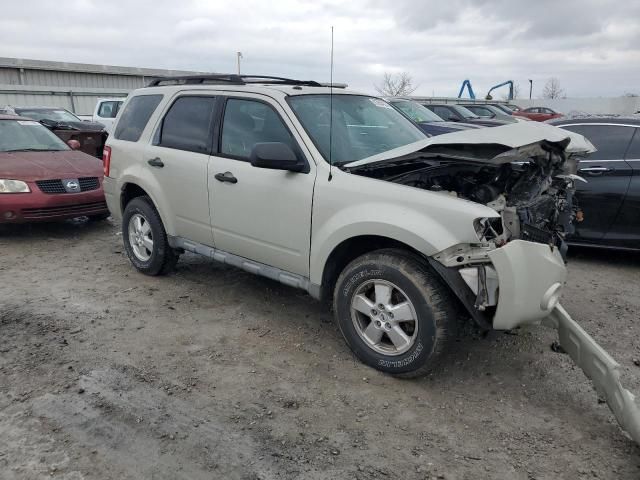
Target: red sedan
(539, 114)
(44, 179)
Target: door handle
(226, 177)
(156, 162)
(595, 171)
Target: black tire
(435, 307)
(163, 258)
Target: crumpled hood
(518, 139)
(31, 166)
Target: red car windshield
(28, 136)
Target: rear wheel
(145, 239)
(395, 313)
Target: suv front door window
(259, 213)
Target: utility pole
(530, 88)
(239, 54)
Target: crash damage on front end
(515, 273)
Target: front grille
(65, 210)
(56, 186)
(535, 234)
(88, 183)
(51, 186)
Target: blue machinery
(467, 83)
(472, 95)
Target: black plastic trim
(458, 286)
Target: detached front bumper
(523, 281)
(530, 279)
(502, 288)
(598, 366)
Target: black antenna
(331, 109)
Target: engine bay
(534, 197)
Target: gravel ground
(213, 373)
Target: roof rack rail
(232, 79)
(197, 79)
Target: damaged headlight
(488, 228)
(13, 186)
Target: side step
(282, 276)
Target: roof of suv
(249, 83)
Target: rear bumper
(40, 207)
(600, 367)
(112, 197)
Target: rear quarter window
(135, 116)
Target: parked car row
(609, 199)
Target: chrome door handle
(595, 170)
(226, 177)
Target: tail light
(106, 160)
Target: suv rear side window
(247, 122)
(188, 124)
(135, 117)
(610, 140)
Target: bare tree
(396, 85)
(552, 89)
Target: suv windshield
(57, 115)
(28, 135)
(415, 111)
(362, 126)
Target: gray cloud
(590, 45)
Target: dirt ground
(214, 373)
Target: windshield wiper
(32, 150)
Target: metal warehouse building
(74, 86)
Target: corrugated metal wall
(80, 79)
(76, 87)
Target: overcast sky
(591, 46)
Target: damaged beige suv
(338, 194)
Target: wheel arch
(350, 249)
(131, 189)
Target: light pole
(239, 54)
(530, 88)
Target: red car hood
(31, 166)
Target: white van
(106, 111)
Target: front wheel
(145, 239)
(394, 312)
